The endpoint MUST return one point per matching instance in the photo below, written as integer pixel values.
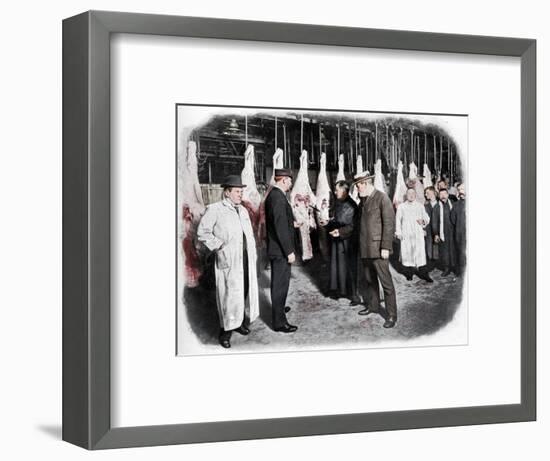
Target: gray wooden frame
(86, 229)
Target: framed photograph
(275, 230)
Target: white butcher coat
(221, 229)
(413, 250)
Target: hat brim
(283, 176)
(232, 185)
(365, 178)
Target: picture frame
(86, 229)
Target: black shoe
(390, 322)
(367, 311)
(287, 309)
(242, 330)
(287, 328)
(409, 277)
(355, 300)
(445, 273)
(224, 338)
(425, 276)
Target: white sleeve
(398, 219)
(205, 230)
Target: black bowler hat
(233, 180)
(282, 172)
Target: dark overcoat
(343, 260)
(447, 251)
(458, 218)
(279, 221)
(431, 246)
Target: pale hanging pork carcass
(340, 176)
(193, 207)
(303, 201)
(427, 180)
(400, 186)
(322, 191)
(322, 194)
(277, 164)
(379, 182)
(415, 183)
(251, 197)
(359, 169)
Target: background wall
(30, 234)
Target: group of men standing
(362, 241)
(429, 236)
(445, 237)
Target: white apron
(411, 234)
(221, 229)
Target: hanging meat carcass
(400, 186)
(192, 209)
(322, 191)
(427, 180)
(340, 176)
(303, 202)
(359, 169)
(251, 197)
(379, 182)
(415, 183)
(322, 194)
(277, 164)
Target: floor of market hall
(324, 323)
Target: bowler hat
(233, 180)
(282, 172)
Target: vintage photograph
(308, 229)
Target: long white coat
(411, 233)
(221, 229)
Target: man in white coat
(410, 221)
(225, 228)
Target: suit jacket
(377, 225)
(279, 221)
(448, 227)
(458, 219)
(446, 248)
(431, 252)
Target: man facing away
(376, 231)
(280, 247)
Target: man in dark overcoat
(443, 230)
(430, 206)
(280, 236)
(376, 232)
(343, 246)
(458, 219)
